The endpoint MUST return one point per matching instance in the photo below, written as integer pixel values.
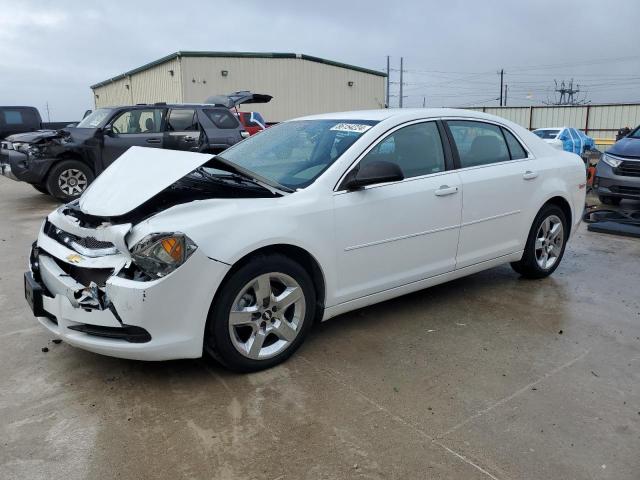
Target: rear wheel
(68, 179)
(609, 200)
(545, 245)
(261, 314)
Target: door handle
(189, 138)
(446, 190)
(529, 175)
(153, 140)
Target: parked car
(618, 171)
(19, 119)
(567, 139)
(64, 162)
(237, 254)
(252, 122)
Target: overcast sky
(52, 51)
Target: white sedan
(171, 254)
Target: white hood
(135, 177)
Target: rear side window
(417, 149)
(515, 149)
(13, 117)
(478, 143)
(182, 120)
(222, 118)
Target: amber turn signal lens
(173, 247)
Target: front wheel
(545, 245)
(68, 179)
(40, 188)
(261, 314)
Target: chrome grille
(83, 245)
(628, 169)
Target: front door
(136, 127)
(498, 178)
(396, 233)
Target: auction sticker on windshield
(351, 127)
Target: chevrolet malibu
(174, 254)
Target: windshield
(635, 133)
(96, 119)
(546, 134)
(295, 153)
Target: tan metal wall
(155, 84)
(299, 87)
(601, 122)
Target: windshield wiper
(267, 183)
(229, 177)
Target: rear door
(183, 130)
(135, 127)
(221, 127)
(498, 179)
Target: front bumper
(162, 319)
(607, 183)
(19, 166)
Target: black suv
(64, 162)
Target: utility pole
(568, 94)
(506, 87)
(388, 79)
(401, 82)
(501, 84)
(424, 102)
(48, 116)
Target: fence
(601, 122)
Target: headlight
(27, 148)
(159, 254)
(613, 162)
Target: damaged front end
(73, 266)
(28, 156)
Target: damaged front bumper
(88, 302)
(21, 167)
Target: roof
(407, 113)
(180, 54)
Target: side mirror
(108, 131)
(373, 173)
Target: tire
(40, 188)
(609, 200)
(68, 179)
(231, 338)
(541, 245)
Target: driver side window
(416, 149)
(138, 121)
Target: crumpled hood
(135, 177)
(32, 137)
(626, 147)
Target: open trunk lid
(232, 100)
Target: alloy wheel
(549, 242)
(72, 182)
(267, 316)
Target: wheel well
(67, 156)
(74, 156)
(301, 256)
(564, 206)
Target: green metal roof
(238, 55)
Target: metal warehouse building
(300, 84)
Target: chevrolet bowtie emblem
(74, 258)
